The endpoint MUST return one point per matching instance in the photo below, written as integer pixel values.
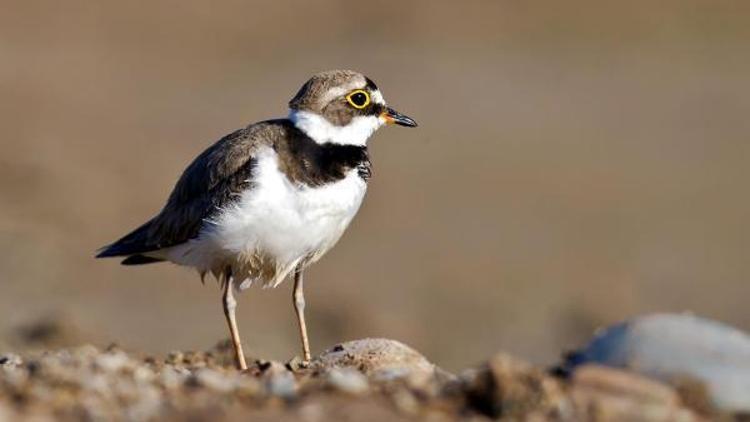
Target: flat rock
(677, 348)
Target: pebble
(10, 360)
(348, 380)
(113, 362)
(214, 380)
(674, 347)
(279, 380)
(171, 378)
(508, 387)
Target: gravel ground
(370, 379)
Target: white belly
(274, 226)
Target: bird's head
(342, 107)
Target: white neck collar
(322, 131)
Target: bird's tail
(134, 246)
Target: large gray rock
(678, 347)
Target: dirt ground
(364, 380)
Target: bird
(266, 201)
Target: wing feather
(210, 182)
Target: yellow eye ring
(358, 98)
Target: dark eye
(358, 99)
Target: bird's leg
(298, 299)
(229, 306)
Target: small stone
(296, 364)
(175, 358)
(143, 375)
(348, 380)
(146, 405)
(213, 380)
(87, 351)
(10, 360)
(112, 361)
(405, 401)
(279, 380)
(508, 387)
(170, 378)
(194, 359)
(95, 382)
(249, 387)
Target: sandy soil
(363, 380)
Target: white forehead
(377, 97)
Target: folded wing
(213, 180)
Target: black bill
(394, 117)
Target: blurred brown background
(576, 163)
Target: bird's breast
(288, 219)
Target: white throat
(322, 131)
